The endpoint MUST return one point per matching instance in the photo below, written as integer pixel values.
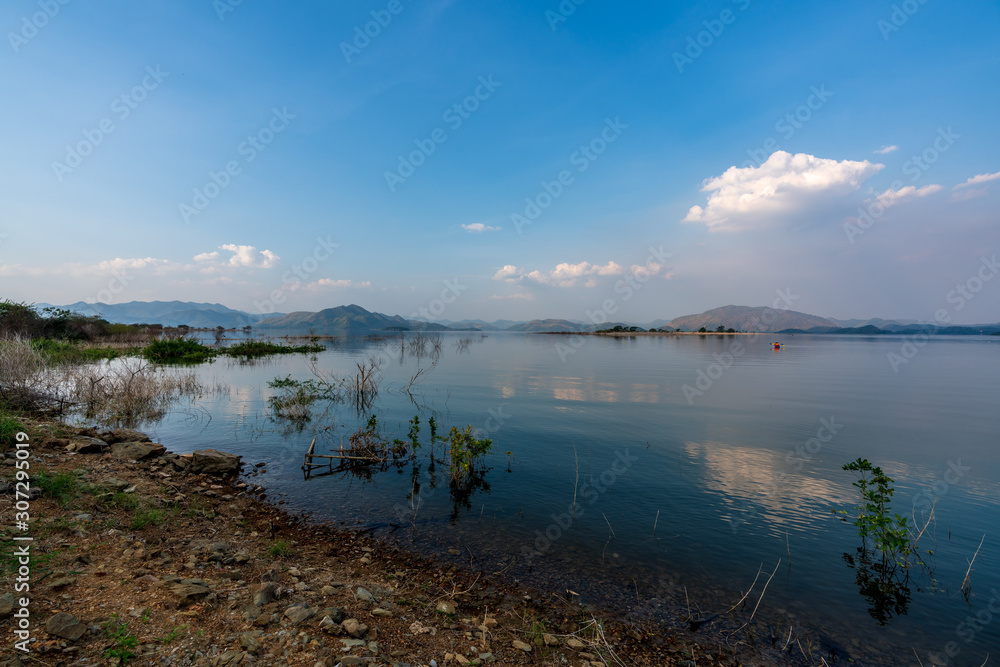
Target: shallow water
(738, 472)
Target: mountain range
(354, 318)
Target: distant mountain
(535, 326)
(346, 318)
(867, 330)
(167, 313)
(476, 325)
(875, 321)
(749, 318)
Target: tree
(720, 329)
(702, 330)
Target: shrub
(466, 451)
(180, 350)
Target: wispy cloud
(892, 197)
(885, 150)
(478, 228)
(977, 180)
(745, 198)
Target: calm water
(734, 478)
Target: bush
(250, 349)
(466, 451)
(9, 428)
(180, 350)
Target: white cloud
(478, 227)
(966, 195)
(519, 296)
(337, 284)
(564, 275)
(207, 256)
(119, 264)
(976, 180)
(742, 198)
(887, 149)
(892, 197)
(509, 272)
(248, 256)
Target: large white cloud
(564, 275)
(248, 256)
(786, 184)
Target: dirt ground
(146, 562)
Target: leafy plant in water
(413, 433)
(466, 450)
(889, 531)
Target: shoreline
(624, 334)
(218, 545)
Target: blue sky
(267, 155)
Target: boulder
(124, 435)
(137, 451)
(87, 446)
(213, 462)
(66, 626)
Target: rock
(486, 657)
(445, 607)
(84, 517)
(363, 594)
(87, 446)
(336, 614)
(550, 640)
(6, 605)
(521, 646)
(214, 462)
(299, 613)
(687, 663)
(66, 626)
(61, 582)
(328, 590)
(117, 484)
(124, 435)
(378, 611)
(354, 627)
(137, 451)
(575, 644)
(248, 640)
(190, 590)
(267, 593)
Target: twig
(787, 641)
(764, 590)
(917, 656)
(655, 521)
(969, 571)
(577, 482)
(745, 594)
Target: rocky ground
(145, 557)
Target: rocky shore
(141, 556)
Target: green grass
(180, 350)
(62, 486)
(10, 426)
(64, 352)
(250, 349)
(280, 548)
(147, 517)
(172, 635)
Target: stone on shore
(66, 626)
(214, 462)
(137, 451)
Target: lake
(697, 464)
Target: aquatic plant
(466, 450)
(874, 517)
